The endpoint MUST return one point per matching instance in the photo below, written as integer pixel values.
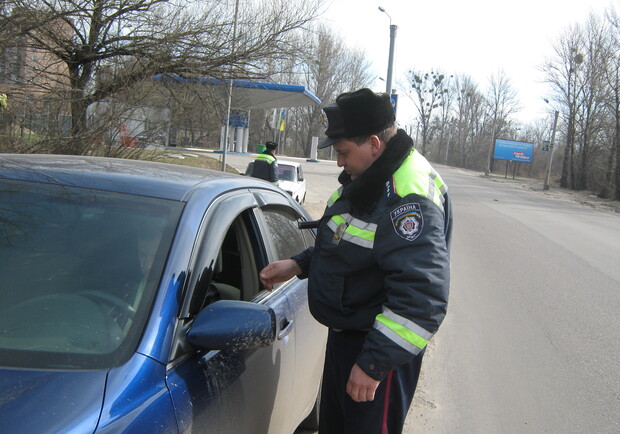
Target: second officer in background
(266, 164)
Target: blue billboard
(513, 151)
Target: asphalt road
(530, 342)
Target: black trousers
(339, 414)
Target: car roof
(288, 162)
(167, 181)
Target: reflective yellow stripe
(403, 332)
(361, 233)
(334, 197)
(354, 230)
(417, 176)
(443, 188)
(265, 157)
(338, 219)
(357, 231)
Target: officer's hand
(361, 387)
(279, 271)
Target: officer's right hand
(279, 271)
(361, 387)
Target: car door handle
(288, 326)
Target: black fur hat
(272, 146)
(358, 113)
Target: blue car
(130, 301)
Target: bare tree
(502, 101)
(443, 121)
(591, 109)
(427, 92)
(562, 74)
(467, 149)
(538, 132)
(329, 68)
(107, 46)
(613, 103)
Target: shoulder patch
(407, 220)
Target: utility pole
(393, 27)
(230, 89)
(552, 145)
(388, 83)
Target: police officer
(379, 270)
(266, 164)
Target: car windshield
(286, 173)
(78, 271)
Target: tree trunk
(568, 165)
(572, 170)
(583, 172)
(606, 191)
(78, 126)
(78, 105)
(424, 135)
(564, 177)
(616, 157)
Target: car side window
(228, 270)
(286, 238)
(233, 275)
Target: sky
(477, 38)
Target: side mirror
(233, 325)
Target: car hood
(36, 401)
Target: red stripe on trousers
(386, 402)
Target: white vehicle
(291, 179)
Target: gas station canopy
(248, 95)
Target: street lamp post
(552, 145)
(393, 27)
(230, 90)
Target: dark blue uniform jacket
(381, 259)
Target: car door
(232, 391)
(285, 240)
(301, 184)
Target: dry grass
(187, 159)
